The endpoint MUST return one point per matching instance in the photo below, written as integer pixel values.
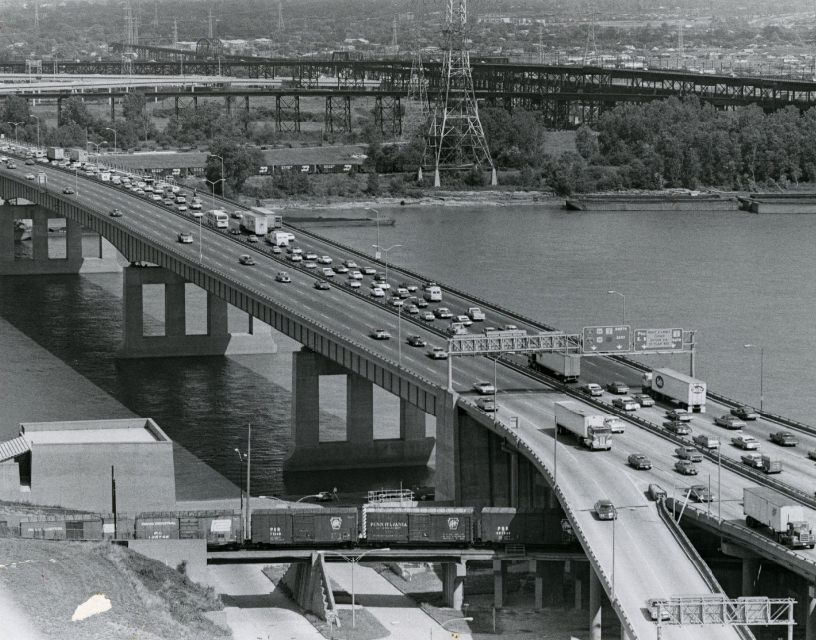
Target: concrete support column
(73, 240)
(305, 399)
(499, 575)
(514, 479)
(750, 568)
(412, 421)
(809, 601)
(537, 568)
(175, 311)
(217, 316)
(578, 589)
(554, 581)
(134, 308)
(6, 235)
(453, 583)
(39, 235)
(359, 409)
(595, 593)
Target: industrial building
(74, 464)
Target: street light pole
(114, 137)
(37, 118)
(354, 561)
(496, 385)
(16, 140)
(222, 177)
(241, 487)
(612, 291)
(377, 246)
(761, 374)
(385, 251)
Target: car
(376, 292)
(463, 320)
(311, 255)
(745, 413)
(385, 286)
(706, 441)
(753, 460)
(416, 341)
(185, 237)
(688, 453)
(115, 213)
(369, 271)
(427, 316)
(275, 249)
(402, 292)
(745, 441)
(605, 510)
(626, 403)
(678, 414)
(729, 422)
(437, 353)
(310, 265)
(237, 215)
(295, 257)
(396, 302)
(68, 191)
(252, 238)
(328, 272)
(11, 165)
(181, 200)
(235, 231)
(616, 425)
(618, 387)
(422, 303)
(356, 275)
(698, 493)
(784, 439)
(30, 176)
(686, 467)
(321, 285)
(380, 334)
(324, 260)
(30, 161)
(484, 388)
(591, 389)
(246, 260)
(350, 264)
(443, 313)
(486, 404)
(181, 207)
(677, 427)
(341, 268)
(643, 400)
(639, 461)
(156, 196)
(195, 204)
(410, 286)
(283, 276)
(412, 309)
(354, 284)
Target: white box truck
(55, 153)
(280, 238)
(78, 155)
(566, 366)
(254, 223)
(783, 516)
(590, 428)
(676, 387)
(274, 220)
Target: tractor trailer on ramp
(588, 427)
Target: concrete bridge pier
(360, 449)
(499, 582)
(176, 342)
(808, 599)
(453, 583)
(595, 602)
(750, 566)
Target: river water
(734, 277)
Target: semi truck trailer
(254, 223)
(566, 366)
(784, 517)
(676, 387)
(589, 428)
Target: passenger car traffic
(484, 388)
(752, 460)
(745, 413)
(115, 213)
(321, 285)
(486, 404)
(416, 341)
(639, 461)
(68, 191)
(282, 276)
(185, 237)
(745, 441)
(678, 428)
(605, 510)
(784, 439)
(380, 334)
(591, 389)
(443, 313)
(678, 414)
(686, 467)
(626, 403)
(643, 400)
(437, 353)
(688, 453)
(246, 260)
(729, 422)
(29, 176)
(617, 387)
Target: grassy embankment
(149, 600)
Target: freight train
(371, 525)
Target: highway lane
(640, 531)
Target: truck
(254, 223)
(217, 218)
(55, 153)
(771, 465)
(589, 428)
(566, 366)
(78, 155)
(676, 387)
(280, 238)
(784, 517)
(274, 220)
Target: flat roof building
(72, 465)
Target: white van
(456, 329)
(433, 294)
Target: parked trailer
(63, 527)
(418, 525)
(783, 516)
(566, 366)
(590, 428)
(508, 525)
(676, 387)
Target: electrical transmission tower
(456, 139)
(591, 47)
(37, 17)
(280, 16)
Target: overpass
(507, 460)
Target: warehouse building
(73, 465)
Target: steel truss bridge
(566, 95)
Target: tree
(586, 142)
(16, 109)
(75, 111)
(240, 162)
(373, 184)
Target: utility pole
(211, 25)
(455, 138)
(417, 85)
(541, 44)
(591, 47)
(37, 17)
(280, 17)
(175, 32)
(394, 34)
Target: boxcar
(157, 526)
(120, 529)
(68, 527)
(272, 526)
(305, 526)
(419, 525)
(217, 527)
(501, 525)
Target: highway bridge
(510, 459)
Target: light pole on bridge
(385, 250)
(354, 560)
(612, 291)
(223, 178)
(761, 373)
(16, 140)
(377, 246)
(37, 118)
(399, 327)
(241, 456)
(114, 137)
